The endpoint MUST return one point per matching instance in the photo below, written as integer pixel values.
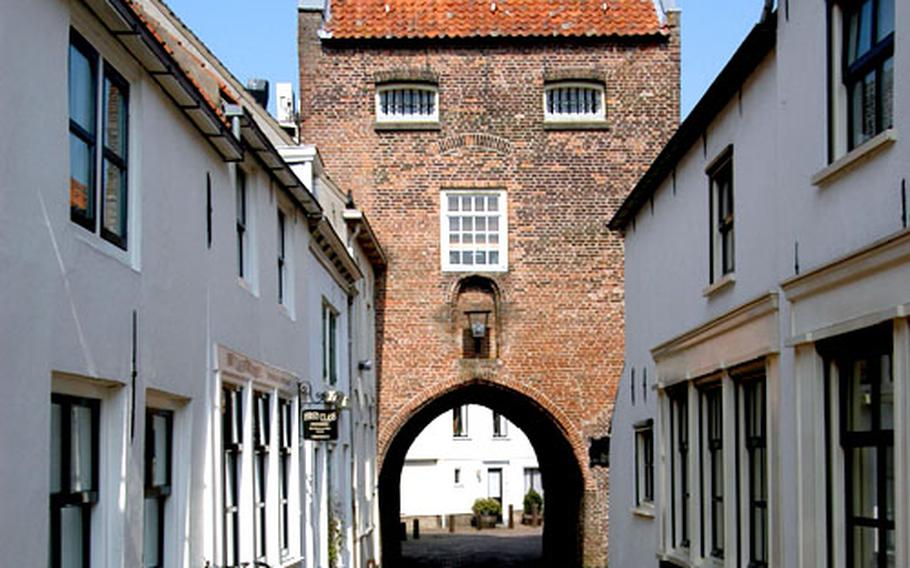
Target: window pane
(864, 481)
(479, 204)
(81, 473)
(71, 537)
(480, 223)
(865, 546)
(453, 203)
(454, 223)
(493, 223)
(885, 19)
(467, 223)
(467, 238)
(494, 258)
(480, 258)
(493, 203)
(453, 238)
(115, 114)
(56, 447)
(466, 204)
(454, 257)
(151, 532)
(887, 101)
(859, 396)
(82, 90)
(114, 214)
(161, 462)
(82, 194)
(468, 259)
(480, 239)
(889, 483)
(493, 238)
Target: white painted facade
(822, 251)
(444, 473)
(67, 328)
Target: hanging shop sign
(320, 424)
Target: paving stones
(475, 549)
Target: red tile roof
(388, 19)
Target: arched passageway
(561, 472)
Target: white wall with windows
(131, 322)
(775, 370)
(466, 453)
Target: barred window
(419, 103)
(474, 230)
(574, 101)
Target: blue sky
(258, 38)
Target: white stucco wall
(777, 125)
(71, 296)
(428, 478)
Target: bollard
(511, 516)
(416, 524)
(404, 530)
(451, 523)
(535, 518)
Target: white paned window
(474, 231)
(407, 103)
(578, 101)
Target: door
(494, 486)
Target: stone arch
(560, 453)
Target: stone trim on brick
(406, 75)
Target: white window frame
(446, 247)
(285, 274)
(719, 272)
(384, 118)
(462, 411)
(599, 116)
(503, 426)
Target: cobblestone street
(474, 549)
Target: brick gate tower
(489, 142)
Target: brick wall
(560, 321)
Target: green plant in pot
(487, 512)
(532, 507)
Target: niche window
(407, 102)
(499, 425)
(475, 316)
(74, 479)
(574, 101)
(98, 127)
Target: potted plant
(532, 507)
(487, 512)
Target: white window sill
(286, 312)
(591, 123)
(392, 124)
(478, 269)
(247, 285)
(725, 281)
(501, 438)
(461, 438)
(854, 157)
(645, 511)
(104, 247)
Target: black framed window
(644, 463)
(723, 249)
(680, 491)
(285, 446)
(99, 119)
(460, 422)
(282, 268)
(868, 67)
(755, 437)
(865, 438)
(242, 255)
(713, 470)
(261, 441)
(74, 479)
(499, 425)
(329, 345)
(232, 448)
(159, 435)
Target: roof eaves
(168, 74)
(367, 238)
(751, 52)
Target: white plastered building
(467, 453)
(177, 293)
(762, 417)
